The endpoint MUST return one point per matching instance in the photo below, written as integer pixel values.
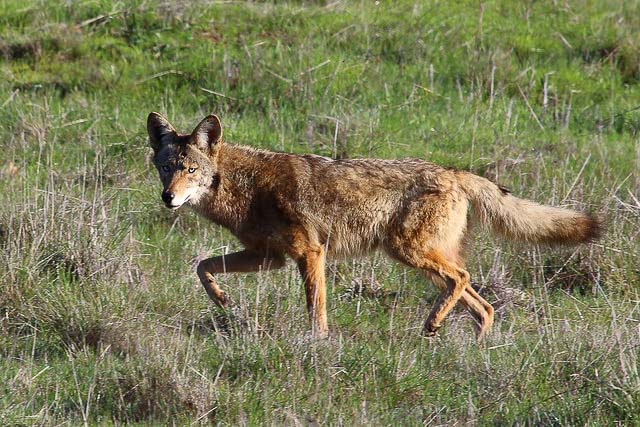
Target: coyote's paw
(320, 334)
(222, 300)
(313, 338)
(430, 330)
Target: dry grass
(102, 319)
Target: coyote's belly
(356, 228)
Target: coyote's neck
(228, 200)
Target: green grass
(102, 318)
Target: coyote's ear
(208, 134)
(160, 131)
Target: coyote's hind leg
(486, 322)
(456, 280)
(480, 310)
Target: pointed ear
(208, 134)
(160, 131)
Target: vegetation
(102, 318)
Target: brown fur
(309, 207)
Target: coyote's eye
(191, 170)
(165, 168)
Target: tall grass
(102, 318)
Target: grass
(102, 318)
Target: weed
(102, 318)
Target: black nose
(167, 197)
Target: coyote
(309, 207)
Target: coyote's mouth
(174, 207)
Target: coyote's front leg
(311, 266)
(238, 262)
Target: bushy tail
(524, 220)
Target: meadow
(102, 317)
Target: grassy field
(102, 317)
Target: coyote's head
(187, 163)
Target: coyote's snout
(308, 207)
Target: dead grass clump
(571, 275)
(61, 41)
(159, 377)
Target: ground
(102, 317)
